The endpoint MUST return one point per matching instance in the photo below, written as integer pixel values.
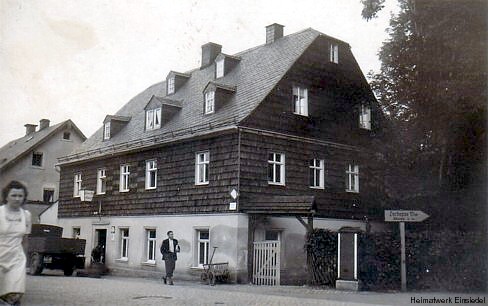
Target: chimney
(30, 128)
(209, 53)
(273, 32)
(43, 123)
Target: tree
(433, 87)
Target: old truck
(46, 249)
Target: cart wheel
(36, 264)
(204, 277)
(211, 279)
(225, 276)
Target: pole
(402, 263)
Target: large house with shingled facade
(250, 148)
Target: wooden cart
(213, 272)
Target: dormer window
(106, 131)
(153, 119)
(219, 68)
(171, 85)
(215, 96)
(174, 81)
(224, 64)
(365, 117)
(334, 53)
(113, 124)
(300, 100)
(209, 102)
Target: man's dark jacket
(165, 249)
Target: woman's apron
(12, 257)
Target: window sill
(276, 184)
(352, 191)
(124, 191)
(197, 268)
(302, 115)
(102, 193)
(148, 263)
(126, 260)
(319, 188)
(201, 184)
(150, 188)
(67, 140)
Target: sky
(83, 60)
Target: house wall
(293, 237)
(38, 178)
(176, 191)
(333, 200)
(335, 92)
(50, 215)
(227, 231)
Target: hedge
(436, 260)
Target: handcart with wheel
(213, 272)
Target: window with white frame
(209, 102)
(153, 119)
(202, 161)
(101, 181)
(77, 185)
(334, 53)
(203, 244)
(151, 246)
(316, 173)
(352, 178)
(151, 174)
(124, 243)
(124, 178)
(219, 68)
(300, 100)
(365, 117)
(171, 85)
(106, 131)
(276, 168)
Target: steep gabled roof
(17, 148)
(257, 73)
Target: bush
(321, 248)
(379, 260)
(446, 260)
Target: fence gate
(266, 263)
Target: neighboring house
(230, 154)
(31, 160)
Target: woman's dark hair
(13, 185)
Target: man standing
(169, 248)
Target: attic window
(171, 85)
(153, 119)
(300, 100)
(365, 117)
(66, 135)
(334, 53)
(37, 159)
(106, 131)
(219, 68)
(209, 102)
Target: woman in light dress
(15, 223)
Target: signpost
(403, 216)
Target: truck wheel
(68, 271)
(68, 267)
(36, 264)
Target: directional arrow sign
(405, 216)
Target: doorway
(99, 245)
